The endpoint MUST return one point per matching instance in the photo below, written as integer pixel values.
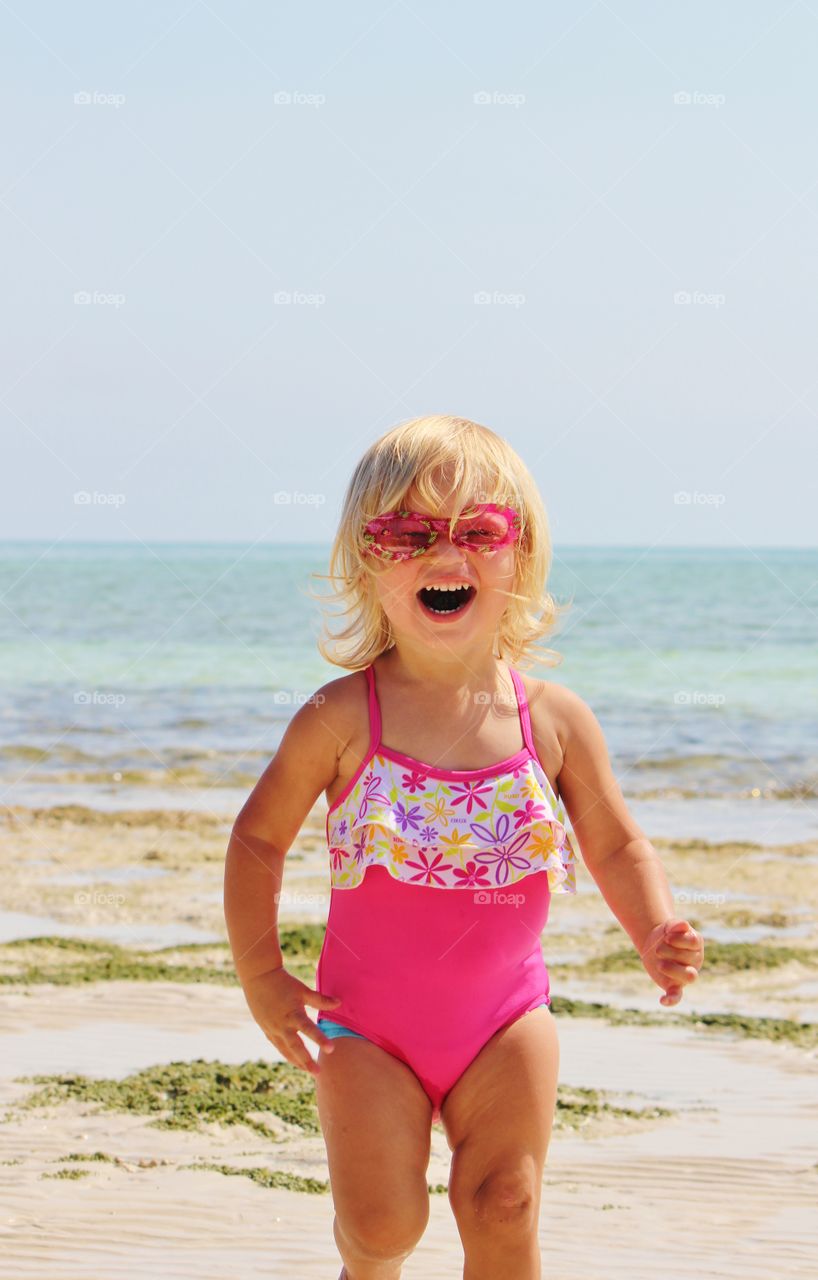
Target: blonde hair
(478, 466)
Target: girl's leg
(498, 1119)
(376, 1120)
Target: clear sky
(241, 240)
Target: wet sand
(724, 1186)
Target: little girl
(448, 776)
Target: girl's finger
(309, 1028)
(295, 1052)
(676, 927)
(318, 1000)
(305, 1059)
(284, 1051)
(679, 972)
(674, 951)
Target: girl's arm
(619, 855)
(304, 765)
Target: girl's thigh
(376, 1121)
(499, 1114)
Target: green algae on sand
(187, 1095)
(76, 961)
(577, 1107)
(274, 1178)
(804, 1035)
(720, 957)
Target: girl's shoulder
(551, 708)
(554, 709)
(345, 705)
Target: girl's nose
(444, 549)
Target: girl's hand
(673, 954)
(276, 1000)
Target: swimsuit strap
(522, 707)
(375, 712)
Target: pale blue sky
(581, 198)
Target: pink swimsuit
(441, 880)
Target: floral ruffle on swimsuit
(456, 829)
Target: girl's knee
(506, 1200)
(382, 1235)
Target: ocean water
(165, 675)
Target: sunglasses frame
(436, 525)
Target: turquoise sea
(165, 675)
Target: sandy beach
(679, 1144)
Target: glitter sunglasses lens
(483, 530)
(400, 534)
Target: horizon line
(233, 542)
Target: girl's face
(424, 616)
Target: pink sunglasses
(402, 535)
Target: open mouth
(446, 603)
